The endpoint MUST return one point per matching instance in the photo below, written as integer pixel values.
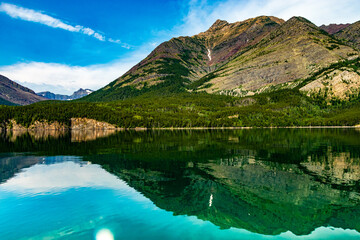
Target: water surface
(223, 184)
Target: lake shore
(168, 128)
(88, 125)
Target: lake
(189, 184)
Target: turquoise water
(244, 184)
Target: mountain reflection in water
(267, 181)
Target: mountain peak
(236, 58)
(297, 26)
(219, 23)
(351, 35)
(300, 20)
(76, 95)
(334, 28)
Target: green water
(243, 184)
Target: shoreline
(86, 124)
(239, 128)
(173, 128)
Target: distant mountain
(12, 93)
(351, 35)
(53, 96)
(334, 28)
(81, 93)
(76, 95)
(240, 59)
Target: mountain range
(261, 54)
(245, 58)
(261, 72)
(76, 95)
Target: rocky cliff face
(75, 124)
(89, 124)
(12, 125)
(335, 85)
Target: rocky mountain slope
(339, 82)
(295, 50)
(185, 60)
(241, 59)
(76, 95)
(351, 35)
(11, 92)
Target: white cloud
(65, 79)
(33, 16)
(124, 45)
(99, 36)
(39, 17)
(201, 14)
(88, 31)
(61, 78)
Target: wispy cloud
(42, 18)
(124, 45)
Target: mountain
(53, 96)
(240, 59)
(76, 95)
(295, 50)
(81, 93)
(334, 28)
(185, 60)
(351, 35)
(261, 72)
(12, 93)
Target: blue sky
(131, 22)
(64, 45)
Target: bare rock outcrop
(45, 125)
(75, 124)
(89, 124)
(338, 84)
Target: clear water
(243, 184)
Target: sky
(61, 46)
